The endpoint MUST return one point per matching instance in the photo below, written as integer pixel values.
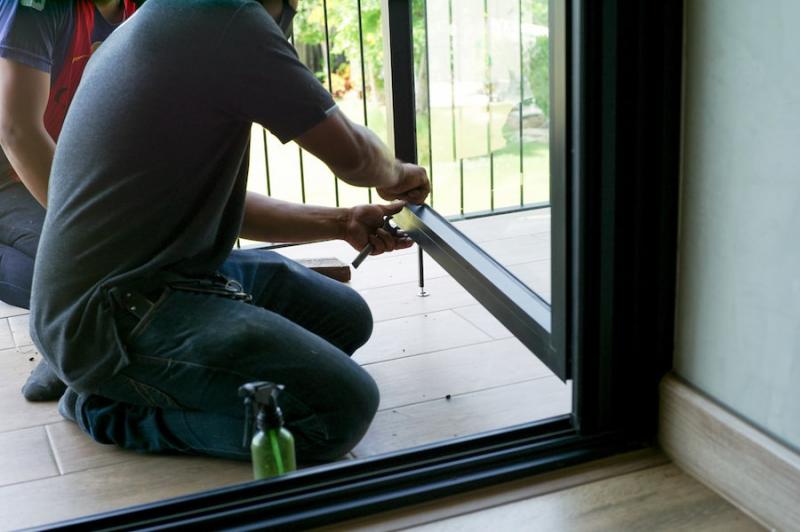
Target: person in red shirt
(44, 48)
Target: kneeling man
(139, 302)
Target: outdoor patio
(445, 367)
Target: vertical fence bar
(490, 85)
(363, 76)
(491, 180)
(403, 117)
(401, 56)
(461, 182)
(487, 35)
(428, 95)
(521, 105)
(266, 161)
(302, 176)
(451, 30)
(300, 155)
(363, 63)
(330, 76)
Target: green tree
(343, 33)
(539, 73)
(536, 11)
(537, 56)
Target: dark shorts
(21, 219)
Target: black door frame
(622, 190)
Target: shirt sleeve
(265, 81)
(29, 35)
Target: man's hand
(413, 187)
(365, 226)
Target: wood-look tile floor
(662, 498)
(444, 365)
(635, 491)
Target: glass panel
(482, 80)
(482, 104)
(444, 366)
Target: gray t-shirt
(150, 170)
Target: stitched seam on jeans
(170, 361)
(141, 393)
(144, 392)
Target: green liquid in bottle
(273, 453)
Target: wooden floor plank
(75, 451)
(483, 320)
(418, 334)
(20, 330)
(465, 414)
(536, 275)
(15, 412)
(523, 249)
(390, 269)
(6, 337)
(507, 492)
(138, 481)
(7, 310)
(431, 376)
(401, 300)
(655, 499)
(25, 455)
(504, 226)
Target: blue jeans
(21, 219)
(190, 353)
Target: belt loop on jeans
(132, 301)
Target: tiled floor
(444, 365)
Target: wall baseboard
(743, 464)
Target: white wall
(738, 317)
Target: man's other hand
(413, 185)
(365, 226)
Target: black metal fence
(481, 75)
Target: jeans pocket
(148, 317)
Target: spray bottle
(272, 447)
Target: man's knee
(360, 320)
(345, 424)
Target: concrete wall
(738, 317)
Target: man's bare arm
(269, 220)
(356, 155)
(24, 92)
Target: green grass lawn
(471, 145)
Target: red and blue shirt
(57, 37)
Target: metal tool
(393, 230)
